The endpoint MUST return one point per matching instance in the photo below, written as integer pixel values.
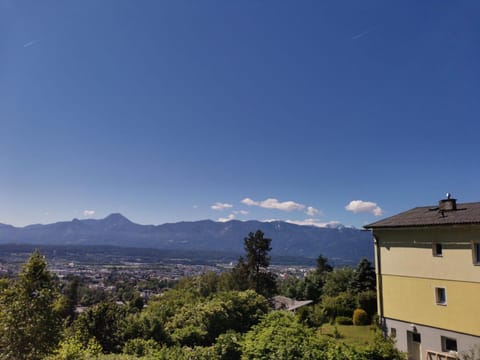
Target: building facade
(428, 278)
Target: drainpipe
(376, 240)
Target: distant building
(428, 278)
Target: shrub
(280, 336)
(341, 305)
(367, 301)
(140, 347)
(344, 320)
(360, 317)
(228, 346)
(383, 349)
(71, 348)
(68, 349)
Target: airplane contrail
(363, 33)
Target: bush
(367, 301)
(68, 349)
(228, 346)
(383, 349)
(281, 336)
(341, 305)
(140, 347)
(71, 348)
(344, 320)
(360, 317)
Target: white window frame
(437, 297)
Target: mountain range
(341, 245)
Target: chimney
(447, 204)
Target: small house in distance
(428, 278)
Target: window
(393, 332)
(416, 337)
(449, 344)
(437, 249)
(440, 296)
(476, 253)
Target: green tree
(228, 346)
(313, 287)
(281, 336)
(238, 278)
(341, 305)
(252, 272)
(322, 265)
(364, 278)
(310, 288)
(106, 323)
(367, 301)
(257, 248)
(30, 324)
(202, 323)
(69, 300)
(291, 287)
(338, 281)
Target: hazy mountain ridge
(347, 244)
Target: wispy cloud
(30, 43)
(228, 218)
(274, 204)
(221, 206)
(360, 206)
(241, 212)
(311, 211)
(88, 213)
(363, 33)
(309, 222)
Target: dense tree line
(212, 316)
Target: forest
(228, 316)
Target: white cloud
(274, 204)
(360, 206)
(314, 222)
(88, 213)
(309, 222)
(221, 206)
(311, 211)
(30, 43)
(228, 218)
(249, 202)
(195, 206)
(241, 212)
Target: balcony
(434, 355)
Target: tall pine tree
(29, 323)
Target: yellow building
(428, 278)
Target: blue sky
(273, 109)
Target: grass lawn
(351, 334)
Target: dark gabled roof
(468, 213)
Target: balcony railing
(435, 355)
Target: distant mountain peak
(117, 218)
